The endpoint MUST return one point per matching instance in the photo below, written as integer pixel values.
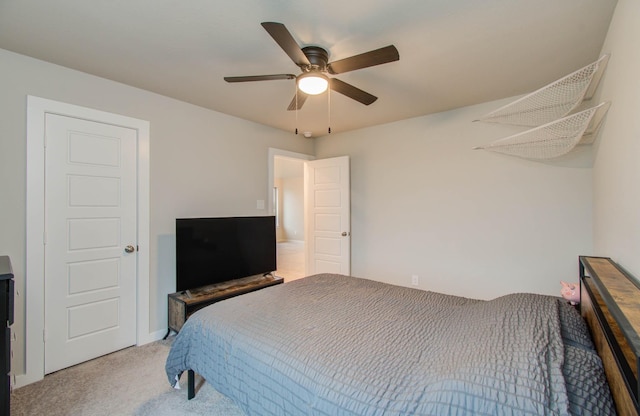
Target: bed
(338, 345)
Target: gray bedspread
(338, 345)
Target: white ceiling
(453, 53)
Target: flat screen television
(215, 250)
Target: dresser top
(6, 272)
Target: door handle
(129, 249)
(344, 233)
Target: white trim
(36, 110)
(273, 152)
(155, 336)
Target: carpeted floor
(133, 381)
(127, 382)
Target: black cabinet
(6, 319)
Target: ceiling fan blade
(283, 37)
(302, 97)
(352, 92)
(260, 78)
(364, 60)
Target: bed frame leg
(191, 385)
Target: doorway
(286, 202)
(38, 110)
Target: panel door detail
(90, 217)
(327, 216)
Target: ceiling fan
(313, 61)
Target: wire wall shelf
(553, 139)
(552, 101)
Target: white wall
(292, 192)
(203, 163)
(616, 171)
(470, 223)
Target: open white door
(327, 216)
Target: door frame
(37, 108)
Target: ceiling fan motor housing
(318, 57)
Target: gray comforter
(337, 345)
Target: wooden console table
(183, 304)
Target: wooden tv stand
(183, 304)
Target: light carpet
(128, 382)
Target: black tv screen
(214, 250)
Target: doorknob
(129, 249)
(344, 233)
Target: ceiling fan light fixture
(313, 83)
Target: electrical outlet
(415, 280)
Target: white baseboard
(21, 380)
(152, 337)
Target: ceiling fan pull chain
(296, 98)
(329, 108)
